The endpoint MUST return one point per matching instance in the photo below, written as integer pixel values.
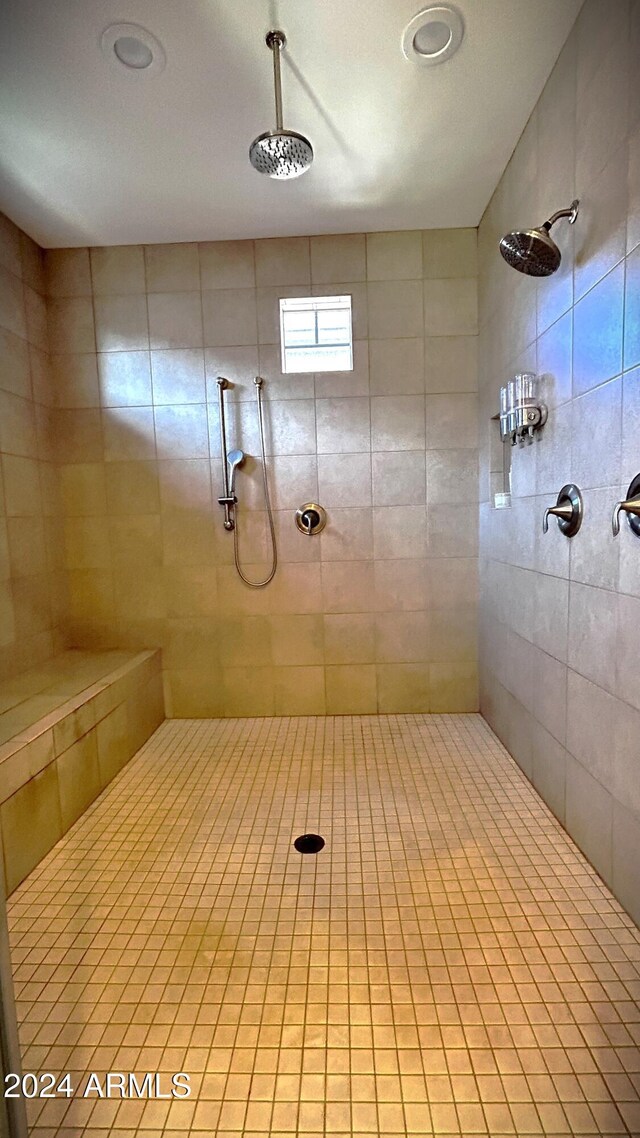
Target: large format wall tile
(32, 585)
(138, 441)
(137, 350)
(579, 330)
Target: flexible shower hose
(272, 530)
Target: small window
(315, 333)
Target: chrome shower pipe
(226, 499)
(571, 213)
(276, 41)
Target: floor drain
(309, 843)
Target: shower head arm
(571, 213)
(276, 40)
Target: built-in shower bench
(66, 728)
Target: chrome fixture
(235, 458)
(226, 499)
(533, 251)
(569, 511)
(631, 507)
(280, 153)
(231, 461)
(521, 412)
(311, 519)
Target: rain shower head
(533, 251)
(280, 153)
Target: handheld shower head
(533, 251)
(280, 153)
(235, 458)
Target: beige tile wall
(31, 550)
(379, 613)
(560, 645)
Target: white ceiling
(92, 155)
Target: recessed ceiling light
(433, 35)
(132, 49)
(133, 52)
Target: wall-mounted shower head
(280, 153)
(235, 458)
(533, 251)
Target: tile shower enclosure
(560, 641)
(109, 530)
(376, 614)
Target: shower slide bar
(227, 500)
(231, 460)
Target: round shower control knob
(311, 519)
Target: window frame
(315, 305)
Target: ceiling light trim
(115, 32)
(435, 14)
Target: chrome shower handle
(630, 506)
(564, 512)
(568, 510)
(311, 519)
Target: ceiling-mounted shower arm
(571, 213)
(280, 153)
(276, 40)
